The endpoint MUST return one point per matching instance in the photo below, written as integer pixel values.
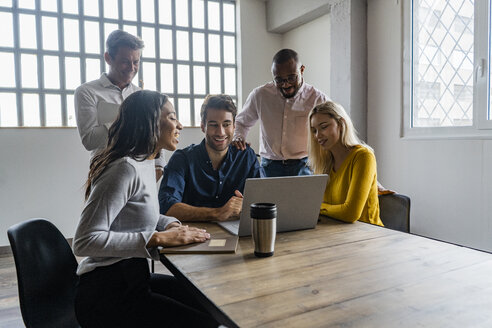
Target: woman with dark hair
(120, 226)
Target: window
(48, 48)
(446, 75)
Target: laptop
(298, 200)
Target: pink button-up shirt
(283, 121)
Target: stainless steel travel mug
(263, 227)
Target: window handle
(479, 69)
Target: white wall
(449, 181)
(314, 55)
(256, 49)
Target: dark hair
(135, 132)
(224, 102)
(285, 55)
(119, 38)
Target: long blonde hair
(319, 159)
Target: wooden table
(350, 275)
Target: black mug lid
(263, 210)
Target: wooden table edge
(210, 306)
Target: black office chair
(46, 275)
(394, 211)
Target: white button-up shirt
(283, 121)
(96, 107)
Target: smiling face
(124, 66)
(326, 131)
(218, 128)
(170, 127)
(287, 77)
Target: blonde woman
(334, 149)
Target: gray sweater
(120, 216)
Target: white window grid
(185, 98)
(471, 93)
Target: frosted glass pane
(198, 46)
(8, 109)
(70, 111)
(167, 78)
(91, 7)
(132, 29)
(165, 12)
(182, 45)
(6, 3)
(49, 5)
(71, 35)
(70, 6)
(182, 13)
(29, 67)
(92, 69)
(7, 71)
(31, 109)
(199, 80)
(229, 50)
(27, 27)
(184, 112)
(166, 44)
(214, 80)
(108, 28)
(214, 48)
(149, 76)
(147, 10)
(50, 33)
(171, 100)
(130, 10)
(230, 81)
(110, 9)
(28, 4)
(53, 110)
(72, 73)
(213, 16)
(149, 38)
(7, 35)
(92, 37)
(229, 17)
(198, 13)
(183, 79)
(51, 72)
(198, 106)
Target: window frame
(481, 127)
(64, 93)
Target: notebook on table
(298, 200)
(221, 244)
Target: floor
(10, 315)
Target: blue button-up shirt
(190, 178)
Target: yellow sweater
(352, 191)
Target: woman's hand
(178, 235)
(174, 224)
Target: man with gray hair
(97, 102)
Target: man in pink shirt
(282, 107)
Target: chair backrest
(394, 210)
(46, 274)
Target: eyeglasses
(290, 79)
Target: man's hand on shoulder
(231, 209)
(239, 143)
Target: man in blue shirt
(204, 182)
